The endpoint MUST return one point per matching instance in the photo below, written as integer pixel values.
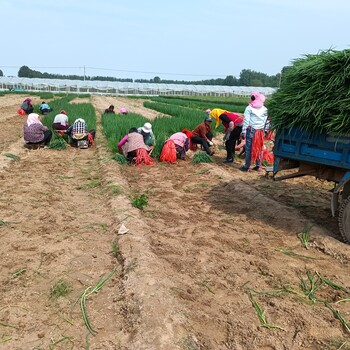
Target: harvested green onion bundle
(120, 159)
(58, 144)
(201, 157)
(314, 94)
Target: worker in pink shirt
(181, 144)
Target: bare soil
(182, 273)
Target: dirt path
(132, 105)
(182, 272)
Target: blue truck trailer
(324, 156)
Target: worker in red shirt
(232, 123)
(203, 135)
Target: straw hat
(147, 128)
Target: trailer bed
(327, 149)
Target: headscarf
(28, 100)
(215, 114)
(33, 118)
(187, 132)
(259, 100)
(79, 126)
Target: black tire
(344, 220)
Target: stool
(34, 145)
(61, 132)
(268, 170)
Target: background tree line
(247, 77)
(26, 72)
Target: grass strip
(60, 288)
(205, 284)
(304, 236)
(17, 273)
(12, 156)
(3, 223)
(92, 184)
(271, 292)
(83, 310)
(244, 284)
(53, 345)
(87, 292)
(4, 340)
(87, 345)
(294, 255)
(332, 284)
(311, 285)
(14, 306)
(202, 171)
(8, 325)
(342, 300)
(260, 313)
(140, 202)
(339, 317)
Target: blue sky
(180, 39)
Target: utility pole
(84, 72)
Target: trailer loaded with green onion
(310, 113)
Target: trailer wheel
(344, 220)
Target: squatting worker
(203, 135)
(147, 133)
(35, 132)
(130, 143)
(175, 147)
(60, 121)
(27, 106)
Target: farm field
(209, 249)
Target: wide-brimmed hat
(147, 128)
(208, 111)
(123, 110)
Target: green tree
(256, 82)
(1, 73)
(24, 72)
(230, 80)
(245, 77)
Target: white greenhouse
(124, 88)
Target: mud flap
(334, 203)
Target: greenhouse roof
(95, 86)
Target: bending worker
(232, 123)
